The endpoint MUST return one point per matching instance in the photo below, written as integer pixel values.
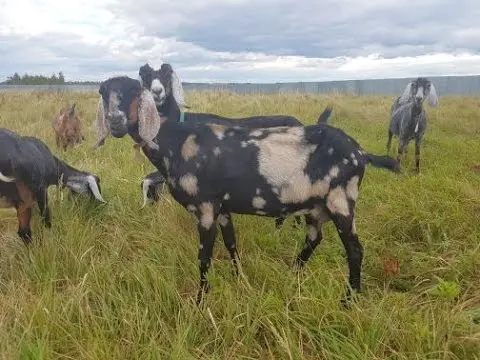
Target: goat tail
(383, 161)
(325, 115)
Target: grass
(117, 282)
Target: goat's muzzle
(118, 127)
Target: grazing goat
(408, 119)
(214, 171)
(167, 91)
(67, 128)
(27, 169)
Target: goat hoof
(25, 235)
(349, 298)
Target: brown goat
(67, 128)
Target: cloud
(241, 40)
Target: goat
(67, 128)
(27, 169)
(167, 91)
(214, 171)
(408, 119)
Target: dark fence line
(446, 85)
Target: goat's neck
(64, 172)
(170, 109)
(169, 139)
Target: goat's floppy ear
(101, 125)
(432, 97)
(177, 90)
(406, 93)
(148, 119)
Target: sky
(258, 41)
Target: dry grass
(117, 282)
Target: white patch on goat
(166, 162)
(345, 161)
(282, 159)
(200, 246)
(258, 202)
(258, 191)
(217, 151)
(231, 133)
(223, 220)
(355, 162)
(244, 144)
(354, 227)
(191, 208)
(334, 172)
(189, 184)
(206, 218)
(260, 212)
(352, 188)
(218, 130)
(226, 196)
(5, 202)
(189, 148)
(256, 133)
(330, 151)
(157, 86)
(337, 201)
(312, 233)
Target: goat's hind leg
(312, 239)
(346, 230)
(42, 200)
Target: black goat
(408, 119)
(214, 171)
(167, 91)
(27, 169)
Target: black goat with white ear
(27, 169)
(408, 119)
(215, 171)
(167, 91)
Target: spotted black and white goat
(168, 94)
(408, 119)
(27, 169)
(215, 171)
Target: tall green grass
(118, 282)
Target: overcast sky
(241, 40)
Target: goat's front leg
(389, 142)
(229, 239)
(417, 155)
(42, 199)
(207, 229)
(401, 148)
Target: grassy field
(118, 282)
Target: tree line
(54, 79)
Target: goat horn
(93, 186)
(6, 178)
(145, 191)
